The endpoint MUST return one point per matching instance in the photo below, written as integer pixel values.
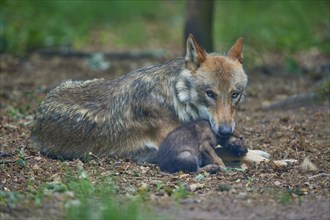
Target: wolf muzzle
(225, 130)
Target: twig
(6, 154)
(14, 161)
(320, 174)
(166, 174)
(93, 155)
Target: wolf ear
(195, 55)
(236, 51)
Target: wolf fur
(190, 148)
(130, 116)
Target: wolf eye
(211, 94)
(234, 95)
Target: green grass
(275, 26)
(26, 25)
(81, 198)
(104, 209)
(180, 192)
(323, 91)
(100, 202)
(10, 198)
(290, 195)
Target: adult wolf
(132, 115)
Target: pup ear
(195, 55)
(236, 51)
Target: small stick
(13, 161)
(320, 174)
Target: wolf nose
(225, 130)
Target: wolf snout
(225, 130)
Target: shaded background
(268, 26)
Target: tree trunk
(199, 22)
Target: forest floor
(35, 186)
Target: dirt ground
(261, 192)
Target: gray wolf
(190, 148)
(130, 116)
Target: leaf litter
(35, 186)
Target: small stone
(277, 183)
(265, 104)
(199, 176)
(242, 195)
(35, 167)
(195, 186)
(38, 158)
(308, 165)
(69, 194)
(184, 175)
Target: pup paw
(212, 168)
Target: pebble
(277, 183)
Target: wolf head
(214, 85)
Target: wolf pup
(190, 148)
(130, 116)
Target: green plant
(14, 112)
(97, 201)
(288, 196)
(10, 198)
(323, 90)
(19, 112)
(160, 185)
(180, 192)
(106, 208)
(249, 182)
(21, 156)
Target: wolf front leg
(251, 157)
(257, 156)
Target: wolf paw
(261, 153)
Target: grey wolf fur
(130, 116)
(190, 148)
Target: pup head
(219, 83)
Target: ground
(35, 186)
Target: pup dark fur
(190, 148)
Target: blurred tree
(199, 22)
